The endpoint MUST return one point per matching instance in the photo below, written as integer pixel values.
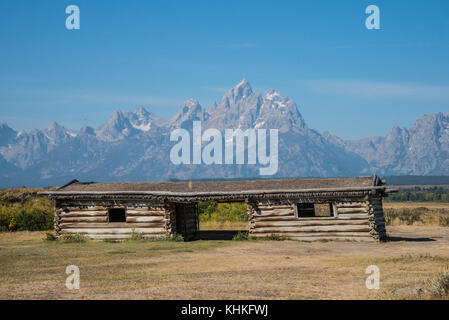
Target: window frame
(332, 209)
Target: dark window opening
(306, 210)
(117, 215)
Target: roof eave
(246, 193)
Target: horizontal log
(315, 234)
(145, 219)
(146, 208)
(121, 236)
(272, 207)
(278, 212)
(113, 230)
(88, 208)
(144, 213)
(84, 219)
(83, 213)
(348, 238)
(275, 218)
(352, 210)
(334, 228)
(352, 216)
(351, 204)
(299, 223)
(112, 225)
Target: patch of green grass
(50, 236)
(241, 236)
(121, 251)
(274, 237)
(112, 240)
(136, 236)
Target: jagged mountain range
(135, 146)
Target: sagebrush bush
(390, 215)
(175, 237)
(73, 238)
(417, 215)
(444, 220)
(409, 217)
(440, 284)
(136, 236)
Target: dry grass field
(227, 225)
(31, 268)
(414, 205)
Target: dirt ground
(31, 268)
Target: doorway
(187, 220)
(222, 220)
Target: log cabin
(300, 209)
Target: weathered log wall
(356, 220)
(153, 220)
(353, 220)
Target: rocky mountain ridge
(135, 145)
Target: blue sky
(345, 79)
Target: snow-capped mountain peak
(273, 95)
(190, 111)
(143, 120)
(134, 145)
(117, 127)
(241, 91)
